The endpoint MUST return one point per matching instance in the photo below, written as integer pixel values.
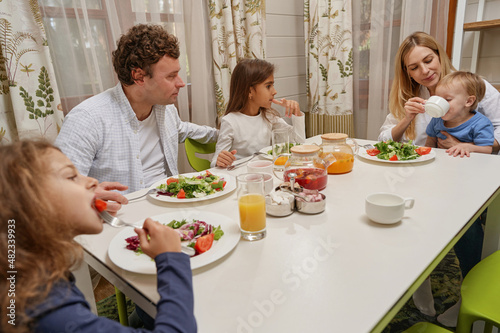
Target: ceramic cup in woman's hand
(436, 106)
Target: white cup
(260, 166)
(268, 183)
(436, 106)
(387, 208)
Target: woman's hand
(106, 191)
(225, 158)
(414, 106)
(447, 143)
(161, 238)
(291, 107)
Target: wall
(489, 47)
(285, 48)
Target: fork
(234, 166)
(118, 223)
(367, 146)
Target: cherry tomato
(100, 205)
(172, 180)
(373, 152)
(181, 194)
(423, 150)
(394, 158)
(208, 173)
(204, 243)
(224, 184)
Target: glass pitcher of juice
(310, 169)
(336, 144)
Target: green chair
(193, 147)
(480, 299)
(481, 295)
(426, 328)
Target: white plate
(230, 187)
(428, 157)
(141, 263)
(265, 150)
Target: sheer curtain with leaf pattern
(30, 106)
(328, 31)
(238, 32)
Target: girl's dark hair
(247, 74)
(142, 46)
(44, 246)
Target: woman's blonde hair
(403, 86)
(30, 225)
(472, 83)
(246, 75)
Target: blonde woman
(420, 64)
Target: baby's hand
(462, 149)
(161, 238)
(225, 158)
(291, 107)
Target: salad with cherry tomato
(397, 151)
(199, 234)
(192, 187)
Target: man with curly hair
(130, 133)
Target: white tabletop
(336, 271)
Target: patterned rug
(445, 281)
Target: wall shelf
(482, 25)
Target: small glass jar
(336, 144)
(309, 169)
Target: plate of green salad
(138, 262)
(194, 186)
(397, 152)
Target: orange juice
(343, 164)
(252, 212)
(281, 160)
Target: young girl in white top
(249, 120)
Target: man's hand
(105, 191)
(447, 143)
(161, 238)
(291, 107)
(225, 158)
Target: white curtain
(29, 103)
(238, 31)
(379, 26)
(328, 42)
(82, 34)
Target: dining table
(335, 271)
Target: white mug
(436, 106)
(387, 208)
(260, 166)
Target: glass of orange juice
(252, 206)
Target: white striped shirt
(101, 137)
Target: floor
(103, 289)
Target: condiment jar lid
(304, 149)
(334, 136)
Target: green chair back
(193, 147)
(480, 299)
(481, 295)
(424, 327)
